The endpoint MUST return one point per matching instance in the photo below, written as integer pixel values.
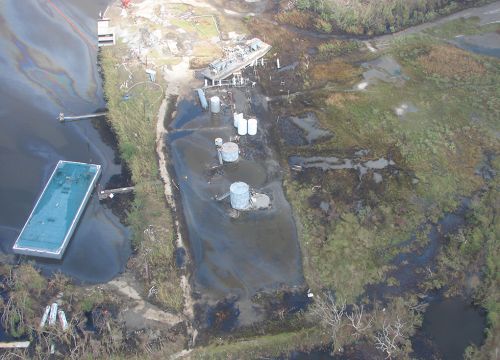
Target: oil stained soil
(234, 258)
(47, 67)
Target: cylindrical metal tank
(252, 127)
(242, 127)
(218, 142)
(215, 104)
(229, 152)
(236, 118)
(203, 99)
(239, 195)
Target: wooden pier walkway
(104, 194)
(63, 118)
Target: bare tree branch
(389, 338)
(359, 321)
(330, 313)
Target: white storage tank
(215, 104)
(236, 119)
(252, 127)
(229, 152)
(242, 127)
(239, 195)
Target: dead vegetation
(451, 62)
(335, 70)
(95, 328)
(387, 329)
(299, 19)
(340, 99)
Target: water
(44, 73)
(308, 123)
(233, 258)
(411, 267)
(333, 163)
(483, 44)
(451, 325)
(385, 69)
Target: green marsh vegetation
(437, 149)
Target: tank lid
(239, 188)
(229, 147)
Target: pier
(63, 118)
(104, 194)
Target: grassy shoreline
(132, 114)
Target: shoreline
(177, 77)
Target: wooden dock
(105, 194)
(63, 118)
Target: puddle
(484, 44)
(384, 69)
(180, 258)
(485, 169)
(404, 109)
(291, 134)
(449, 326)
(223, 317)
(308, 123)
(334, 163)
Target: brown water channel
(47, 66)
(233, 258)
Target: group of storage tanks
(243, 126)
(239, 192)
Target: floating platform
(57, 211)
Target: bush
(376, 16)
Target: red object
(126, 3)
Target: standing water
(451, 325)
(48, 65)
(233, 258)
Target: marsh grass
(264, 346)
(437, 150)
(134, 121)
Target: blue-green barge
(57, 211)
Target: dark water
(484, 44)
(449, 326)
(410, 266)
(48, 66)
(233, 258)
